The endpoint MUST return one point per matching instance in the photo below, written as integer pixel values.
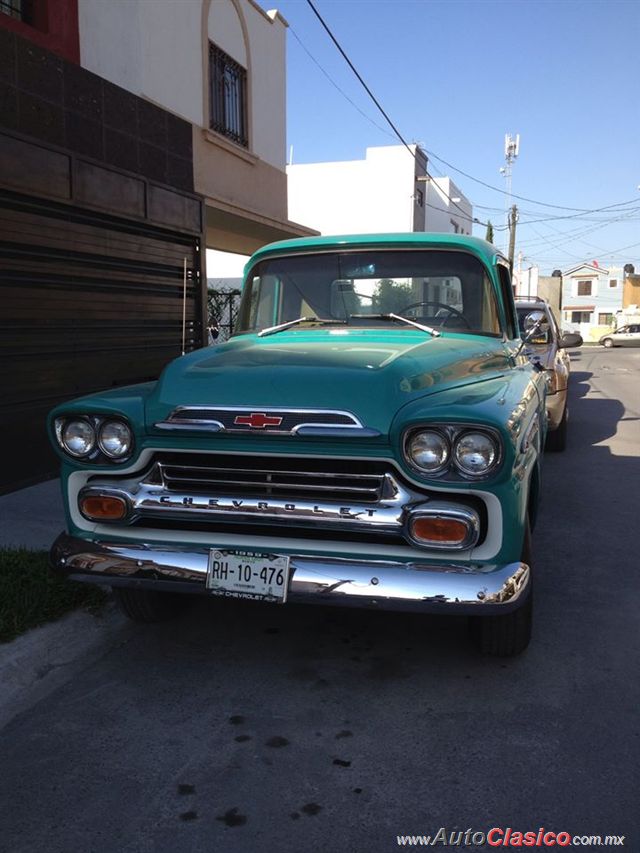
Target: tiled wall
(60, 103)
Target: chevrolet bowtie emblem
(257, 420)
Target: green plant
(489, 234)
(30, 594)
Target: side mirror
(570, 340)
(536, 328)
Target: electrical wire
(335, 85)
(578, 213)
(376, 125)
(578, 216)
(570, 237)
(521, 197)
(377, 102)
(558, 247)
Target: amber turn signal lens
(103, 509)
(449, 531)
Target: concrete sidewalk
(32, 518)
(36, 663)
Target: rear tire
(509, 634)
(146, 605)
(557, 440)
(607, 342)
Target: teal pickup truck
(370, 436)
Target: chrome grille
(285, 479)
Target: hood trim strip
(180, 420)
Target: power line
(570, 236)
(610, 253)
(521, 197)
(333, 83)
(356, 107)
(576, 233)
(579, 215)
(578, 212)
(376, 101)
(375, 124)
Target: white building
(525, 279)
(219, 64)
(388, 191)
(447, 209)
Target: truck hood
(370, 373)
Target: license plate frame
(252, 575)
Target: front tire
(509, 634)
(607, 342)
(147, 605)
(557, 440)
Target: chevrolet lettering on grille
(248, 505)
(257, 420)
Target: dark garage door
(87, 301)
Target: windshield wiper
(272, 330)
(433, 332)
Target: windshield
(447, 290)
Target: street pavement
(253, 728)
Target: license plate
(244, 574)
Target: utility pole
(513, 218)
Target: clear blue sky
(456, 75)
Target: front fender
(513, 405)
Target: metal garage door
(87, 301)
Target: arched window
(228, 96)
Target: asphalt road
(254, 728)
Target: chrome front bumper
(376, 584)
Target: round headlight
(78, 437)
(475, 452)
(115, 439)
(428, 450)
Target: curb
(34, 664)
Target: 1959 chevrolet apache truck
(370, 436)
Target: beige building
(219, 64)
(631, 291)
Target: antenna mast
(511, 151)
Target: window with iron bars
(18, 9)
(228, 96)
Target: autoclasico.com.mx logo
(497, 837)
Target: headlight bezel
(465, 470)
(96, 422)
(101, 441)
(412, 436)
(454, 432)
(63, 425)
